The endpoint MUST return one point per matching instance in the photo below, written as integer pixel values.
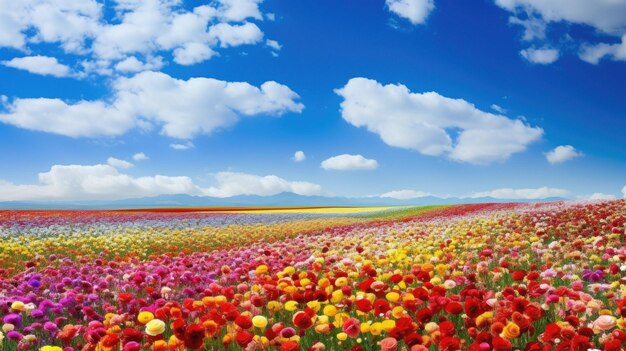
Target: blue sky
(403, 98)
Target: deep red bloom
(447, 328)
(244, 321)
(453, 307)
(290, 345)
(448, 343)
(302, 320)
(363, 305)
(194, 336)
(473, 307)
(243, 338)
(501, 344)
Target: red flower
(244, 321)
(243, 338)
(552, 332)
(178, 327)
(473, 308)
(449, 344)
(454, 307)
(363, 305)
(194, 336)
(424, 315)
(447, 328)
(302, 320)
(290, 345)
(501, 344)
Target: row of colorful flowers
(474, 277)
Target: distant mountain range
(283, 199)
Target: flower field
(466, 277)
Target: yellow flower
(259, 321)
(376, 328)
(291, 305)
(145, 317)
(330, 310)
(155, 327)
(18, 306)
(261, 269)
(392, 296)
(50, 348)
(342, 336)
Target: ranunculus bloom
(259, 321)
(302, 320)
(388, 344)
(243, 321)
(604, 323)
(155, 327)
(194, 336)
(352, 327)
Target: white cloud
(299, 156)
(425, 122)
(133, 65)
(96, 182)
(234, 183)
(186, 146)
(624, 191)
(606, 16)
(273, 44)
(182, 108)
(498, 108)
(529, 194)
(593, 53)
(543, 56)
(415, 11)
(42, 65)
(148, 29)
(105, 182)
(235, 35)
(117, 163)
(562, 153)
(405, 194)
(347, 162)
(601, 196)
(140, 156)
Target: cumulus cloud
(405, 194)
(105, 182)
(234, 183)
(607, 17)
(498, 108)
(425, 122)
(415, 11)
(117, 163)
(601, 196)
(181, 108)
(529, 194)
(43, 65)
(346, 162)
(593, 53)
(140, 156)
(299, 156)
(562, 153)
(133, 65)
(148, 29)
(543, 56)
(186, 146)
(624, 191)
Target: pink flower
(604, 323)
(388, 344)
(352, 327)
